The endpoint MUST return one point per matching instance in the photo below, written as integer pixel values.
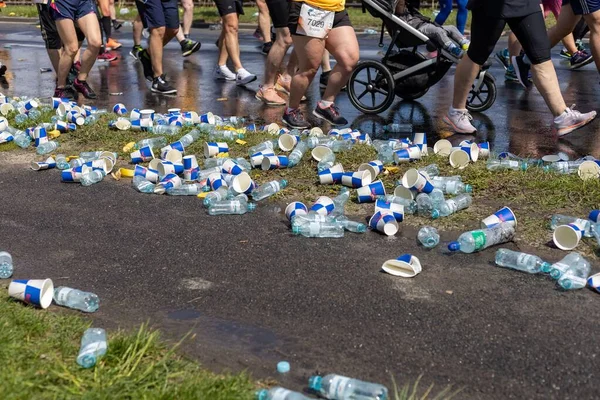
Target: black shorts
(530, 30)
(229, 7)
(159, 13)
(48, 29)
(279, 11)
(340, 19)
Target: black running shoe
(521, 70)
(2, 69)
(116, 24)
(135, 52)
(160, 85)
(144, 57)
(64, 93)
(85, 89)
(330, 114)
(295, 119)
(188, 47)
(266, 48)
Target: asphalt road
(253, 294)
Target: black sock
(186, 36)
(106, 26)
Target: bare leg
(308, 62)
(343, 45)
(230, 28)
(325, 62)
(292, 65)
(186, 23)
(91, 29)
(546, 81)
(138, 27)
(565, 24)
(569, 43)
(466, 72)
(275, 58)
(593, 22)
(223, 56)
(264, 20)
(155, 49)
(54, 56)
(514, 47)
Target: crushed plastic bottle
(339, 202)
(451, 186)
(564, 167)
(143, 185)
(225, 135)
(424, 204)
(398, 128)
(93, 346)
(432, 170)
(220, 194)
(297, 154)
(326, 162)
(453, 205)
(165, 130)
(319, 229)
(236, 206)
(193, 189)
(351, 226)
(6, 265)
(337, 387)
(496, 165)
(76, 299)
(268, 189)
(341, 145)
(190, 137)
(268, 145)
(437, 198)
(155, 142)
(558, 220)
(314, 141)
(92, 177)
(470, 242)
(571, 272)
(61, 162)
(47, 147)
(428, 236)
(279, 393)
(410, 206)
(521, 261)
(22, 140)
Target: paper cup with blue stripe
(190, 162)
(287, 142)
(405, 193)
(384, 223)
(191, 174)
(38, 292)
(168, 182)
(397, 210)
(414, 180)
(105, 164)
(407, 154)
(370, 192)
(144, 154)
(471, 149)
(120, 109)
(274, 162)
(295, 208)
(503, 215)
(320, 151)
(6, 137)
(567, 237)
(167, 167)
(442, 147)
(256, 159)
(63, 109)
(323, 206)
(231, 167)
(147, 114)
(594, 282)
(215, 181)
(459, 158)
(405, 266)
(356, 179)
(375, 167)
(594, 216)
(484, 149)
(48, 164)
(208, 118)
(420, 140)
(147, 173)
(74, 174)
(242, 183)
(212, 149)
(331, 175)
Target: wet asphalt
(252, 294)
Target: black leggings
(530, 30)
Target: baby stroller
(405, 72)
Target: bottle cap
(453, 246)
(314, 382)
(468, 188)
(296, 229)
(262, 394)
(283, 367)
(361, 228)
(524, 166)
(283, 183)
(435, 214)
(546, 267)
(251, 206)
(546, 168)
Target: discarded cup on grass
(405, 266)
(6, 108)
(369, 193)
(147, 114)
(484, 149)
(442, 147)
(375, 167)
(190, 162)
(191, 174)
(231, 167)
(405, 193)
(274, 162)
(150, 175)
(471, 149)
(384, 223)
(320, 151)
(121, 124)
(420, 140)
(287, 142)
(567, 237)
(38, 292)
(415, 180)
(589, 170)
(395, 209)
(503, 215)
(272, 129)
(356, 179)
(105, 164)
(212, 149)
(242, 183)
(408, 154)
(256, 159)
(168, 182)
(323, 206)
(215, 181)
(144, 154)
(63, 109)
(174, 156)
(459, 158)
(331, 175)
(594, 216)
(48, 164)
(208, 118)
(295, 208)
(167, 167)
(119, 109)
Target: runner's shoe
(330, 114)
(144, 57)
(116, 24)
(85, 89)
(244, 77)
(223, 74)
(510, 74)
(266, 48)
(503, 57)
(188, 47)
(135, 51)
(112, 44)
(581, 58)
(571, 120)
(564, 53)
(269, 96)
(460, 121)
(521, 70)
(106, 56)
(160, 85)
(64, 93)
(295, 119)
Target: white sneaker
(244, 77)
(222, 73)
(459, 120)
(571, 119)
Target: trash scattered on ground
(337, 387)
(405, 266)
(521, 261)
(428, 236)
(477, 240)
(37, 292)
(283, 367)
(76, 299)
(6, 265)
(279, 393)
(93, 346)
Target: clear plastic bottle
(451, 186)
(90, 155)
(143, 185)
(190, 137)
(570, 270)
(314, 141)
(22, 140)
(90, 120)
(297, 154)
(351, 226)
(432, 170)
(279, 393)
(206, 128)
(155, 142)
(220, 194)
(428, 236)
(205, 173)
(470, 242)
(398, 128)
(242, 162)
(268, 145)
(268, 189)
(92, 177)
(564, 167)
(21, 118)
(337, 387)
(496, 165)
(6, 265)
(236, 206)
(225, 135)
(165, 130)
(424, 204)
(319, 229)
(303, 219)
(410, 206)
(341, 145)
(193, 189)
(76, 299)
(93, 346)
(216, 162)
(437, 198)
(326, 162)
(521, 261)
(76, 162)
(453, 205)
(47, 147)
(61, 162)
(558, 220)
(340, 201)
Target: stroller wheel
(371, 87)
(482, 99)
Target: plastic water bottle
(569, 269)
(432, 170)
(225, 135)
(297, 154)
(90, 155)
(319, 229)
(496, 165)
(220, 194)
(77, 162)
(564, 167)
(340, 201)
(155, 142)
(337, 387)
(341, 145)
(92, 177)
(21, 118)
(303, 219)
(437, 198)
(279, 393)
(268, 189)
(521, 261)
(6, 265)
(190, 137)
(47, 147)
(93, 346)
(450, 185)
(428, 236)
(143, 185)
(470, 242)
(192, 189)
(165, 130)
(90, 119)
(453, 205)
(205, 173)
(326, 162)
(268, 145)
(73, 298)
(351, 226)
(61, 162)
(234, 206)
(424, 204)
(242, 162)
(410, 206)
(575, 278)
(314, 141)
(398, 128)
(22, 140)
(558, 220)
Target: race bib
(314, 22)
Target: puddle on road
(184, 315)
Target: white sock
(325, 104)
(241, 70)
(223, 68)
(453, 110)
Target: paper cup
(272, 129)
(316, 131)
(459, 158)
(189, 162)
(356, 179)
(109, 154)
(174, 156)
(167, 167)
(6, 108)
(63, 109)
(212, 149)
(168, 182)
(151, 175)
(415, 180)
(395, 209)
(442, 147)
(331, 175)
(408, 154)
(404, 193)
(320, 151)
(105, 164)
(594, 216)
(191, 174)
(484, 149)
(256, 159)
(370, 192)
(120, 109)
(420, 139)
(231, 167)
(121, 124)
(144, 154)
(274, 162)
(147, 114)
(215, 181)
(153, 164)
(323, 206)
(48, 164)
(567, 237)
(405, 266)
(174, 111)
(384, 223)
(471, 149)
(287, 142)
(208, 118)
(74, 174)
(242, 183)
(589, 170)
(38, 292)
(594, 282)
(375, 167)
(295, 208)
(504, 214)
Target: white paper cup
(323, 206)
(567, 237)
(442, 147)
(295, 208)
(374, 167)
(471, 149)
(38, 292)
(331, 175)
(146, 114)
(589, 170)
(459, 159)
(420, 139)
(504, 215)
(122, 124)
(272, 129)
(405, 266)
(316, 131)
(63, 109)
(287, 142)
(403, 192)
(415, 180)
(174, 156)
(320, 151)
(384, 223)
(6, 108)
(242, 183)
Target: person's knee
(309, 70)
(593, 21)
(188, 6)
(158, 32)
(231, 26)
(70, 50)
(93, 44)
(170, 32)
(347, 61)
(284, 38)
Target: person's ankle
(325, 104)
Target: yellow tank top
(328, 5)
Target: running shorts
(71, 9)
(49, 31)
(229, 7)
(279, 11)
(340, 19)
(158, 13)
(583, 7)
